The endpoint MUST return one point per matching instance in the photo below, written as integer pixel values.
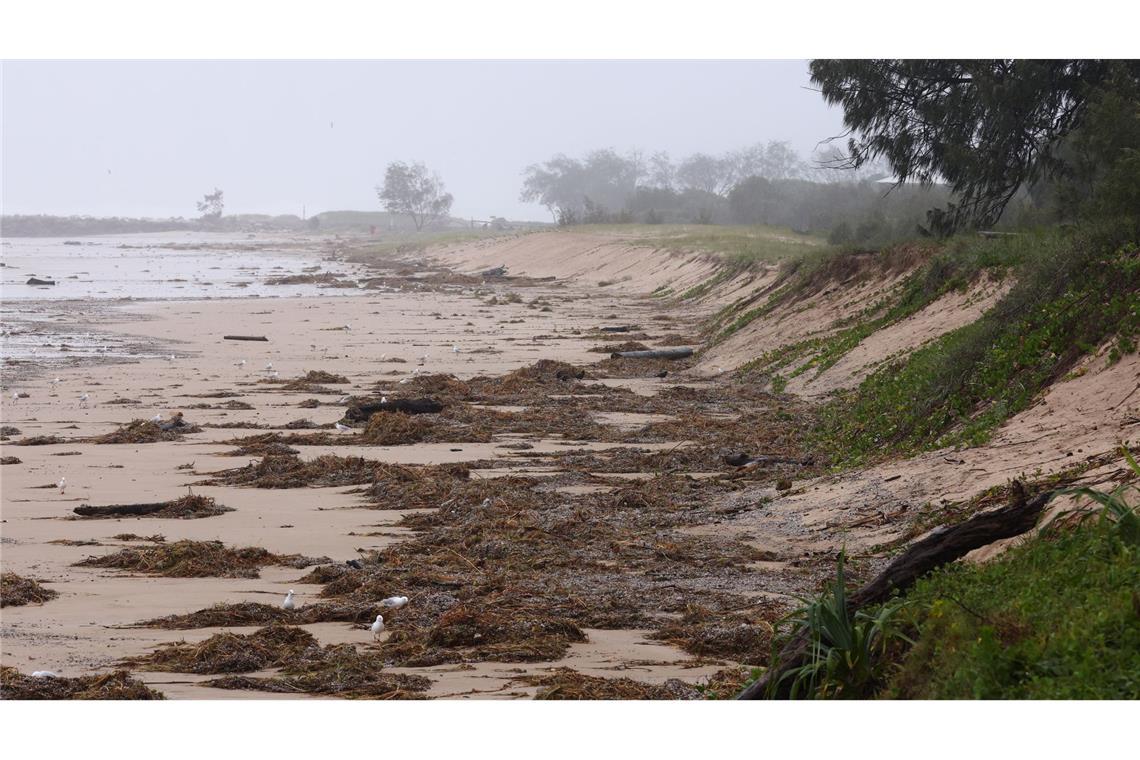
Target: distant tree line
(766, 183)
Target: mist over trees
(412, 190)
(765, 183)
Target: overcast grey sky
(141, 138)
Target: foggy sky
(140, 138)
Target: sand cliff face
(1079, 418)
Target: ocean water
(91, 274)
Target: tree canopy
(986, 127)
(211, 205)
(412, 190)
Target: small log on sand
(617, 329)
(245, 337)
(360, 411)
(499, 271)
(941, 546)
(657, 353)
(38, 281)
(120, 510)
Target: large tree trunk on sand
(360, 411)
(659, 353)
(939, 547)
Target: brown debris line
(16, 591)
(116, 685)
(255, 613)
(197, 559)
(157, 538)
(271, 647)
(567, 683)
(40, 440)
(146, 431)
(306, 667)
(609, 348)
(326, 279)
(191, 506)
(290, 471)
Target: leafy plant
(845, 659)
(1117, 512)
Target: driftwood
(939, 547)
(38, 281)
(743, 459)
(116, 510)
(360, 411)
(618, 329)
(245, 337)
(657, 353)
(499, 271)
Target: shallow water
(184, 264)
(45, 324)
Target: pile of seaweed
(147, 431)
(197, 559)
(566, 683)
(255, 613)
(305, 666)
(116, 685)
(16, 590)
(189, 507)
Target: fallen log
(360, 411)
(245, 337)
(38, 281)
(941, 546)
(657, 353)
(499, 271)
(120, 510)
(618, 329)
(743, 459)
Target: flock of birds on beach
(377, 627)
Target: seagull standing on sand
(341, 427)
(269, 367)
(383, 399)
(156, 418)
(44, 674)
(83, 399)
(240, 364)
(378, 627)
(62, 484)
(288, 603)
(395, 602)
(455, 349)
(15, 396)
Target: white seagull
(83, 399)
(348, 327)
(269, 367)
(455, 349)
(44, 674)
(378, 627)
(486, 503)
(288, 603)
(62, 484)
(341, 427)
(156, 418)
(395, 602)
(240, 364)
(383, 399)
(15, 396)
(54, 382)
